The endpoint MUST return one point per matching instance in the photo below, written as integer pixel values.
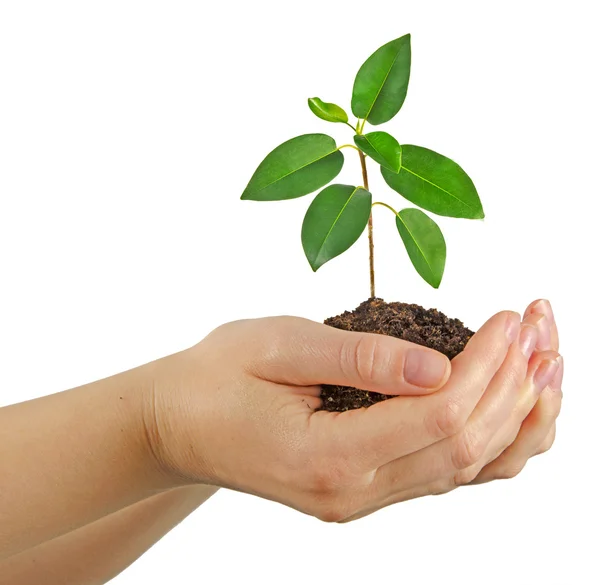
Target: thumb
(311, 353)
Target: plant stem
(353, 128)
(385, 205)
(348, 146)
(363, 164)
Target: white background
(128, 131)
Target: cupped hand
(536, 434)
(239, 410)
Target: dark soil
(413, 323)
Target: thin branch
(349, 146)
(363, 164)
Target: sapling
(339, 214)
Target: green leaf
(382, 148)
(334, 221)
(424, 243)
(326, 111)
(436, 183)
(382, 81)
(295, 168)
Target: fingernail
(556, 383)
(527, 339)
(545, 373)
(543, 306)
(512, 327)
(425, 368)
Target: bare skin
(98, 552)
(133, 449)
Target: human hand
(537, 432)
(238, 410)
(527, 431)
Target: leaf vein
(296, 170)
(438, 187)
(383, 83)
(417, 245)
(335, 222)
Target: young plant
(339, 214)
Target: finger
(539, 377)
(528, 396)
(391, 429)
(535, 435)
(540, 314)
(543, 325)
(460, 452)
(543, 307)
(440, 486)
(305, 353)
(548, 441)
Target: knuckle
(331, 491)
(325, 479)
(551, 403)
(515, 370)
(510, 432)
(468, 449)
(282, 331)
(447, 419)
(509, 471)
(331, 512)
(442, 487)
(465, 476)
(365, 356)
(556, 404)
(547, 444)
(512, 437)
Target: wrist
(133, 393)
(171, 409)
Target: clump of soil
(410, 322)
